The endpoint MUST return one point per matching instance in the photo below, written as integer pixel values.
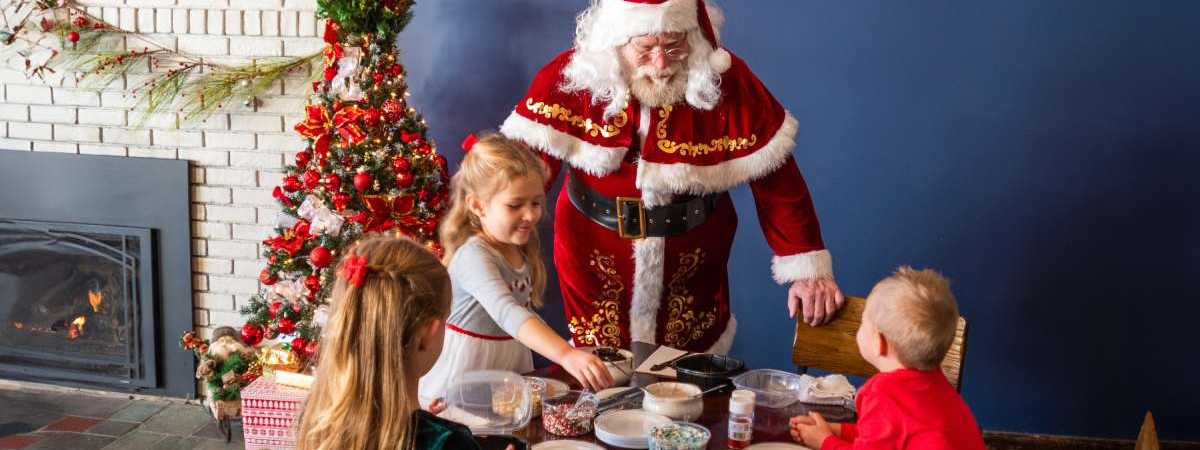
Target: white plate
(628, 428)
(566, 445)
(776, 446)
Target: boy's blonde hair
(360, 398)
(917, 313)
(491, 164)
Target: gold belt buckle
(621, 218)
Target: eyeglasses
(675, 52)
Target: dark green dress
(436, 433)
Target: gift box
(270, 414)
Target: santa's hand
(817, 298)
(588, 369)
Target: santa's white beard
(653, 87)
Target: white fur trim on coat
(593, 159)
(647, 288)
(802, 266)
(725, 342)
(690, 179)
(617, 20)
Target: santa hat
(617, 21)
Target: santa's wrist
(802, 266)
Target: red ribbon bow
(317, 125)
(469, 142)
(385, 211)
(354, 270)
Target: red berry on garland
(291, 183)
(320, 257)
(311, 179)
(313, 283)
(371, 117)
(80, 21)
(332, 181)
(47, 24)
(392, 110)
(303, 158)
(341, 200)
(274, 308)
(267, 278)
(362, 181)
(285, 326)
(401, 164)
(73, 36)
(251, 334)
(395, 70)
(404, 180)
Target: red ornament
(283, 198)
(297, 308)
(392, 110)
(332, 181)
(73, 36)
(320, 257)
(395, 70)
(362, 181)
(298, 345)
(274, 309)
(310, 348)
(330, 72)
(401, 164)
(341, 200)
(267, 278)
(360, 217)
(291, 183)
(47, 24)
(313, 283)
(321, 153)
(409, 138)
(303, 158)
(377, 78)
(311, 179)
(80, 21)
(404, 180)
(371, 117)
(424, 149)
(348, 163)
(285, 326)
(251, 334)
(273, 259)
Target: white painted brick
(288, 23)
(256, 196)
(255, 122)
(301, 5)
(156, 120)
(269, 178)
(145, 20)
(94, 116)
(302, 47)
(207, 4)
(281, 142)
(236, 285)
(270, 23)
(104, 2)
(249, 267)
(199, 247)
(233, 22)
(162, 20)
(320, 27)
(76, 133)
(307, 26)
(126, 136)
(40, 95)
(128, 19)
(230, 177)
(252, 23)
(196, 175)
(256, 160)
(55, 147)
(116, 99)
(282, 105)
(95, 11)
(14, 112)
(205, 157)
(200, 316)
(111, 15)
(226, 140)
(211, 194)
(295, 86)
(23, 130)
(233, 249)
(177, 138)
(10, 75)
(107, 150)
(204, 45)
(143, 152)
(52, 114)
(212, 265)
(216, 23)
(145, 3)
(266, 216)
(240, 214)
(179, 20)
(210, 230)
(242, 301)
(218, 318)
(216, 121)
(197, 21)
(252, 232)
(78, 97)
(256, 46)
(211, 301)
(16, 144)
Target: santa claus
(655, 122)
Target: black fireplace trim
(125, 192)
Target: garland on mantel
(59, 35)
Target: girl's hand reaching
(587, 368)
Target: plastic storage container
(773, 388)
(493, 404)
(707, 370)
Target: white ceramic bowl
(621, 370)
(674, 400)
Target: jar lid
(741, 405)
(489, 402)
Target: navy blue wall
(1042, 154)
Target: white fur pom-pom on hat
(720, 60)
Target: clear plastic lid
(489, 402)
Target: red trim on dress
(473, 334)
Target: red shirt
(909, 409)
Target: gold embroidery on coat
(604, 327)
(562, 114)
(684, 323)
(721, 144)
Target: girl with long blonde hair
(389, 310)
(494, 260)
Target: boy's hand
(818, 299)
(436, 406)
(588, 369)
(812, 430)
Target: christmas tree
(369, 167)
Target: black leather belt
(633, 220)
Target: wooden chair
(1148, 436)
(832, 346)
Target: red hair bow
(354, 270)
(469, 142)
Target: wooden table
(770, 424)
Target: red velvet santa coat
(674, 290)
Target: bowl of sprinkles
(679, 436)
(570, 414)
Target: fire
(94, 298)
(76, 327)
